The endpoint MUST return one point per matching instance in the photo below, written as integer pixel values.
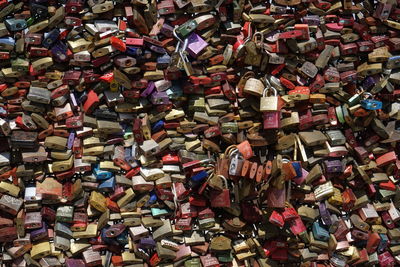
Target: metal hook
(267, 82)
(176, 35)
(367, 95)
(258, 41)
(233, 152)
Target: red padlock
(117, 43)
(277, 219)
(373, 242)
(91, 103)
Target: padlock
(370, 104)
(269, 103)
(236, 162)
(253, 87)
(221, 199)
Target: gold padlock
(9, 188)
(64, 165)
(90, 232)
(56, 142)
(254, 87)
(98, 201)
(269, 103)
(40, 250)
(129, 195)
(42, 63)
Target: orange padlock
(245, 149)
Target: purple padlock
(148, 90)
(59, 52)
(167, 30)
(71, 139)
(312, 20)
(157, 49)
(69, 262)
(333, 165)
(272, 36)
(73, 102)
(159, 98)
(39, 233)
(302, 178)
(325, 215)
(196, 44)
(369, 82)
(147, 243)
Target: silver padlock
(62, 243)
(151, 174)
(63, 231)
(150, 147)
(5, 127)
(236, 163)
(39, 95)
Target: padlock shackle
(266, 81)
(233, 152)
(259, 41)
(224, 179)
(229, 150)
(266, 89)
(367, 95)
(176, 35)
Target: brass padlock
(269, 103)
(254, 87)
(98, 201)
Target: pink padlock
(272, 120)
(386, 260)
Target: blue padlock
(50, 38)
(393, 62)
(157, 212)
(319, 232)
(197, 179)
(7, 43)
(122, 239)
(297, 167)
(81, 97)
(14, 25)
(370, 104)
(133, 51)
(383, 244)
(157, 126)
(101, 174)
(174, 92)
(108, 185)
(163, 61)
(128, 154)
(108, 240)
(153, 198)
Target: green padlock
(186, 28)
